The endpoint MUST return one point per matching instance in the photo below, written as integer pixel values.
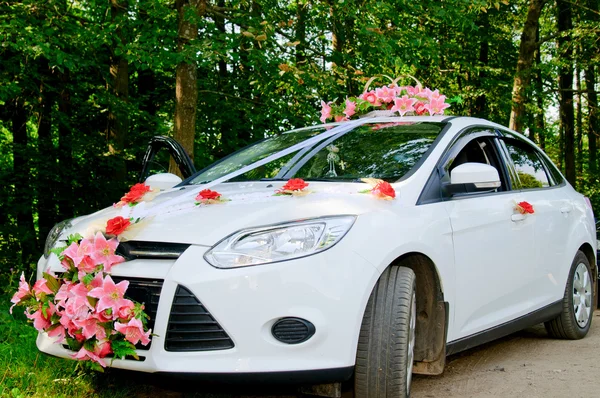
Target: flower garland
(84, 307)
(207, 197)
(404, 100)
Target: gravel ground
(527, 363)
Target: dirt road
(525, 364)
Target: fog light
(292, 330)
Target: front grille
(132, 250)
(192, 328)
(146, 291)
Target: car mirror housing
(469, 178)
(163, 181)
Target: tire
(384, 359)
(574, 322)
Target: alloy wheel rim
(411, 343)
(582, 295)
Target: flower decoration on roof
(524, 208)
(84, 307)
(138, 193)
(294, 187)
(207, 197)
(401, 100)
(379, 188)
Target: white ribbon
(343, 128)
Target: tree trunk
(186, 89)
(579, 124)
(593, 126)
(46, 159)
(540, 124)
(526, 55)
(484, 49)
(64, 191)
(565, 84)
(301, 15)
(118, 119)
(23, 194)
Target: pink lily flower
(40, 320)
(350, 108)
(68, 325)
(340, 118)
(59, 332)
(133, 331)
(413, 90)
(104, 252)
(437, 105)
(110, 295)
(63, 293)
(40, 287)
(90, 328)
(85, 355)
(385, 94)
(77, 252)
(325, 111)
(404, 105)
(21, 293)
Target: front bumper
(329, 289)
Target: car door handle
(566, 209)
(517, 217)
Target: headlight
(54, 235)
(279, 242)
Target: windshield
(377, 150)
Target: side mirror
(163, 181)
(473, 178)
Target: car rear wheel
(384, 359)
(576, 317)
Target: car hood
(250, 204)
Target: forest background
(84, 84)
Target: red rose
(525, 207)
(103, 349)
(207, 194)
(135, 193)
(420, 108)
(116, 226)
(384, 189)
(295, 184)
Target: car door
(492, 247)
(543, 189)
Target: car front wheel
(384, 359)
(576, 317)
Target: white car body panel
(492, 269)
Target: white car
(484, 237)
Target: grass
(26, 372)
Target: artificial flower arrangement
(294, 187)
(207, 197)
(405, 100)
(524, 208)
(83, 307)
(379, 188)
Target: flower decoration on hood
(294, 187)
(138, 193)
(403, 100)
(379, 188)
(207, 197)
(524, 208)
(83, 307)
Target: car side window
(531, 173)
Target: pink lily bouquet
(405, 100)
(84, 308)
